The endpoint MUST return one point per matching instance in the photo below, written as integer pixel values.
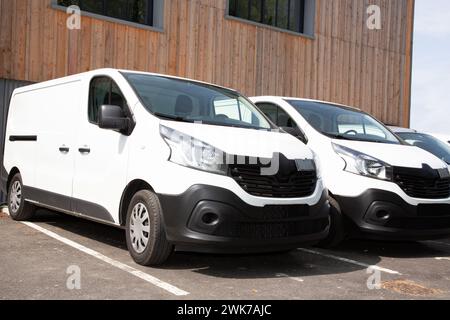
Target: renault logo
(444, 173)
(305, 165)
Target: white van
(177, 163)
(380, 187)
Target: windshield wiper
(350, 138)
(204, 121)
(339, 136)
(171, 117)
(232, 125)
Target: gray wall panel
(6, 89)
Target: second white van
(179, 164)
(380, 187)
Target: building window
(137, 11)
(284, 14)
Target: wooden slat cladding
(345, 63)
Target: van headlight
(193, 153)
(363, 164)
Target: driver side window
(103, 91)
(277, 115)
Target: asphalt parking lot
(38, 259)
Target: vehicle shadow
(398, 249)
(250, 266)
(105, 234)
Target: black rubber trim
(23, 138)
(180, 212)
(361, 211)
(65, 203)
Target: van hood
(244, 142)
(394, 154)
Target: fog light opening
(210, 219)
(383, 215)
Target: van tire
(337, 232)
(25, 210)
(158, 249)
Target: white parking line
(361, 264)
(442, 258)
(283, 275)
(135, 272)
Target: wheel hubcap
(15, 197)
(139, 227)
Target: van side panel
(42, 120)
(57, 123)
(56, 173)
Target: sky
(430, 109)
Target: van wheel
(337, 227)
(145, 233)
(19, 209)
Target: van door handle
(64, 149)
(84, 150)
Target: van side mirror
(297, 133)
(113, 118)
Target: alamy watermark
(74, 279)
(374, 280)
(374, 17)
(74, 20)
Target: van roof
(312, 100)
(106, 71)
(401, 129)
(174, 77)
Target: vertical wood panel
(345, 63)
(5, 39)
(20, 38)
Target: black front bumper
(215, 220)
(383, 215)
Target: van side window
(277, 115)
(103, 90)
(233, 109)
(284, 120)
(347, 123)
(270, 110)
(227, 108)
(358, 124)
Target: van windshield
(343, 123)
(189, 101)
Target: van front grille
(433, 210)
(274, 230)
(424, 183)
(288, 182)
(419, 223)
